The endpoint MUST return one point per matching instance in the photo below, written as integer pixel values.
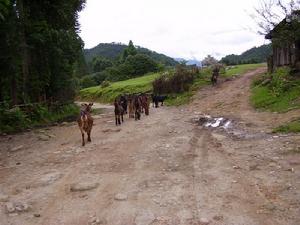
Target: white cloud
(178, 28)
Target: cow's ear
(83, 104)
(91, 104)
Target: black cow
(124, 103)
(158, 98)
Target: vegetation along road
(171, 167)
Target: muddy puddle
(232, 128)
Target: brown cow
(119, 112)
(130, 106)
(85, 121)
(145, 103)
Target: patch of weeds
(277, 92)
(291, 127)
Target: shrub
(88, 81)
(176, 82)
(31, 115)
(105, 84)
(11, 119)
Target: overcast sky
(178, 28)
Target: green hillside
(253, 55)
(108, 93)
(113, 50)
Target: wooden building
(285, 38)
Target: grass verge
(108, 94)
(241, 69)
(16, 120)
(278, 92)
(291, 127)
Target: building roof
(284, 24)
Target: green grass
(241, 69)
(291, 127)
(281, 94)
(108, 94)
(144, 84)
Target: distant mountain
(189, 61)
(113, 50)
(253, 55)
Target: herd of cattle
(133, 105)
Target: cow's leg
(116, 118)
(119, 119)
(89, 135)
(122, 117)
(82, 135)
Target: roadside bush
(11, 119)
(277, 92)
(105, 84)
(31, 115)
(88, 81)
(177, 82)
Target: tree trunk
(24, 48)
(13, 91)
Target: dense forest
(40, 63)
(112, 51)
(115, 62)
(41, 51)
(253, 55)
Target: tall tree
(42, 49)
(130, 50)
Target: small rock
(270, 206)
(9, 207)
(272, 164)
(253, 167)
(37, 215)
(291, 169)
(3, 198)
(218, 217)
(17, 148)
(21, 207)
(50, 178)
(96, 221)
(289, 186)
(43, 138)
(84, 186)
(236, 167)
(121, 197)
(204, 221)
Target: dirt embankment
(164, 169)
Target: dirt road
(165, 169)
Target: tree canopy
(40, 50)
(253, 55)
